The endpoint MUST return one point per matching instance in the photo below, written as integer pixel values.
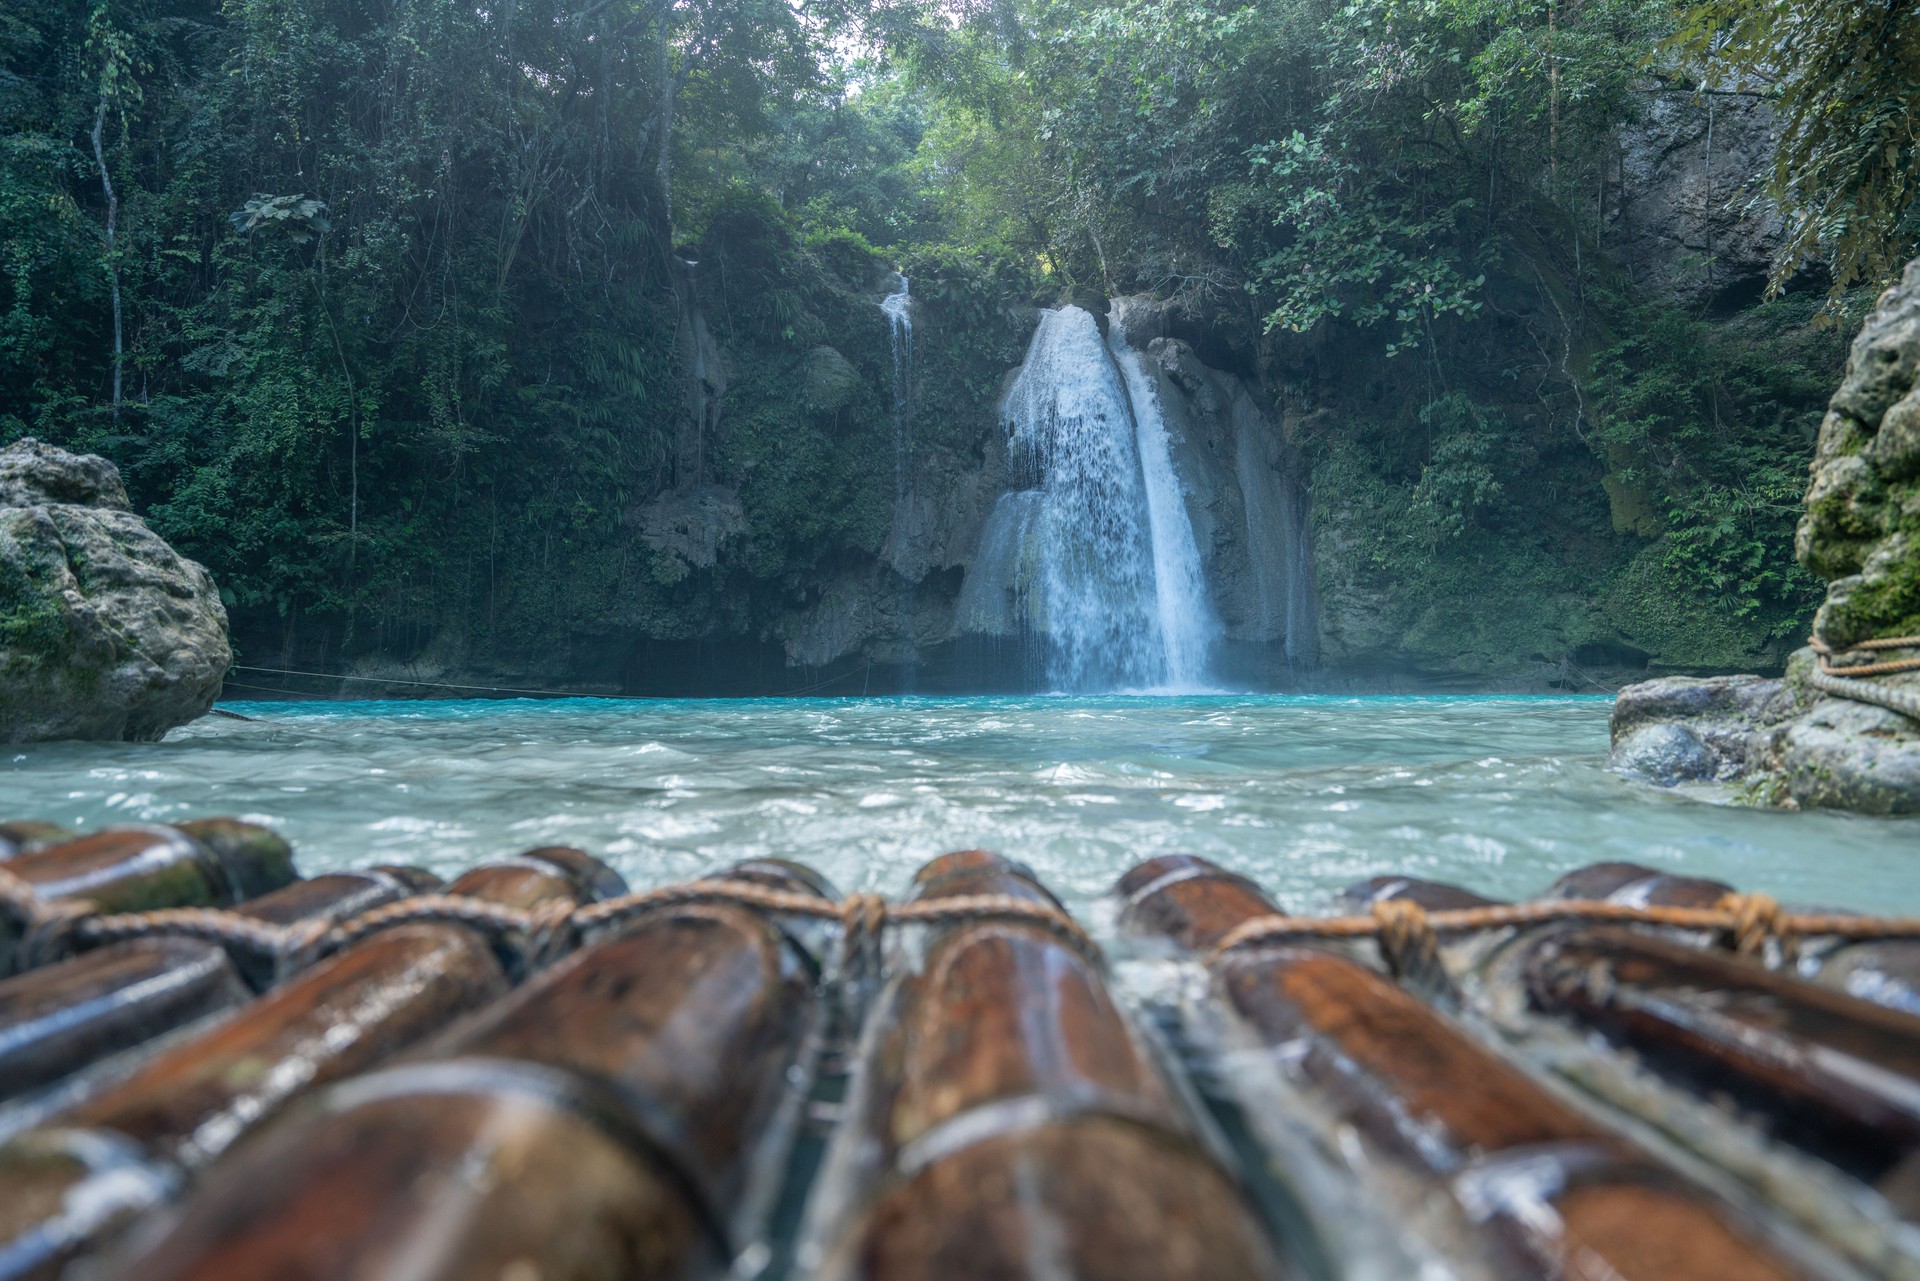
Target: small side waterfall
(1111, 575)
(899, 308)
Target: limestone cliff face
(1681, 220)
(1788, 741)
(105, 631)
(1861, 529)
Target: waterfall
(1115, 585)
(899, 308)
(1188, 625)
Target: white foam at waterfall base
(1188, 625)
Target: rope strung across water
(1845, 682)
(51, 928)
(1408, 933)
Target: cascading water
(1118, 591)
(1188, 625)
(899, 308)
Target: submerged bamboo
(1537, 1186)
(1008, 1122)
(604, 1121)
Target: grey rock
(33, 474)
(1684, 223)
(831, 380)
(1854, 756)
(105, 631)
(1782, 741)
(1743, 699)
(1686, 729)
(1665, 754)
(687, 528)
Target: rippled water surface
(1305, 794)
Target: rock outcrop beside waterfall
(105, 631)
(1793, 740)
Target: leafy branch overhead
(299, 218)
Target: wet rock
(105, 631)
(1665, 754)
(1855, 756)
(1685, 729)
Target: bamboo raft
(211, 1068)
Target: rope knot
(1407, 942)
(862, 918)
(1757, 920)
(551, 932)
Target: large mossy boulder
(1786, 741)
(106, 632)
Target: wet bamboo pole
(1818, 1069)
(61, 1018)
(1884, 972)
(1825, 1072)
(28, 836)
(80, 1177)
(211, 863)
(606, 1120)
(1537, 1186)
(1007, 1122)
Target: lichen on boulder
(1786, 741)
(106, 632)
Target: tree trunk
(113, 265)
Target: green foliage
(1846, 79)
(1457, 488)
(426, 390)
(299, 218)
(1719, 422)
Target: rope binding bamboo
(1749, 923)
(52, 928)
(1407, 934)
